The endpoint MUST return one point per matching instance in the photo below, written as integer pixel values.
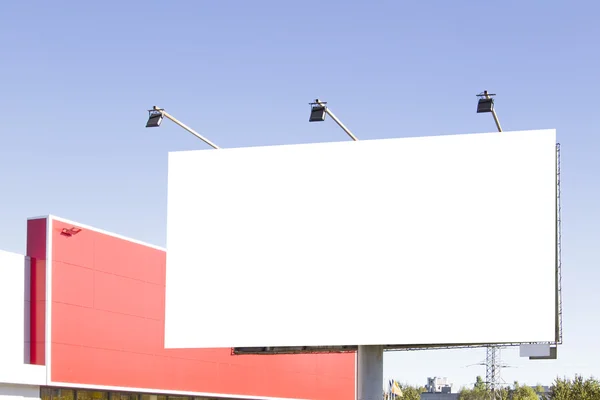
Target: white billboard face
(396, 241)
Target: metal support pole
(187, 128)
(337, 121)
(487, 96)
(369, 373)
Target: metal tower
(492, 371)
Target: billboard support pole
(369, 379)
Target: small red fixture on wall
(70, 231)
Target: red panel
(108, 329)
(105, 330)
(36, 251)
(73, 284)
(147, 303)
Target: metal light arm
(487, 96)
(187, 128)
(337, 121)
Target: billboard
(409, 241)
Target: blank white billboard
(429, 240)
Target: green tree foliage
(479, 384)
(471, 394)
(575, 389)
(478, 392)
(539, 388)
(523, 393)
(562, 389)
(410, 392)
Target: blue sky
(77, 78)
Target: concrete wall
(15, 324)
(14, 313)
(19, 392)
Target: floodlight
(317, 113)
(154, 119)
(485, 105)
(156, 116)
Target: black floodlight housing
(318, 111)
(485, 105)
(154, 119)
(486, 102)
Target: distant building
(438, 389)
(438, 385)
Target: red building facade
(96, 312)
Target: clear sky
(78, 76)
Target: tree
(576, 389)
(479, 391)
(467, 394)
(562, 389)
(411, 392)
(523, 393)
(479, 384)
(539, 389)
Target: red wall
(36, 250)
(108, 299)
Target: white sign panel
(534, 350)
(396, 241)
